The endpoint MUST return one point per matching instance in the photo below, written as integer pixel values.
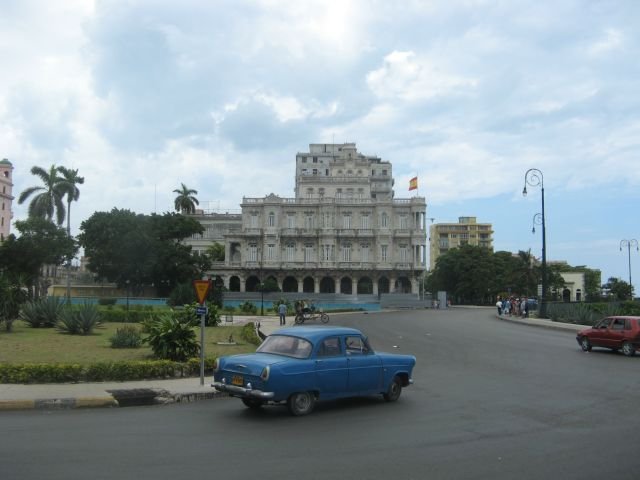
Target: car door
(616, 333)
(365, 367)
(331, 366)
(600, 334)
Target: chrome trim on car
(241, 391)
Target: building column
(242, 284)
(354, 286)
(375, 285)
(337, 284)
(301, 285)
(316, 284)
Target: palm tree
(49, 199)
(71, 178)
(185, 201)
(72, 193)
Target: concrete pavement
(114, 394)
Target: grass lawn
(47, 345)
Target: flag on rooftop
(413, 184)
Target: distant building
(6, 186)
(344, 232)
(445, 236)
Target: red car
(616, 333)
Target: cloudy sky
(142, 96)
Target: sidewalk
(539, 322)
(114, 394)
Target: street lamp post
(534, 177)
(629, 244)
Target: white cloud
(409, 78)
(612, 39)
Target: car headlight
(216, 365)
(264, 375)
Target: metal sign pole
(202, 349)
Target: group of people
(513, 306)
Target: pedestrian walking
(282, 311)
(499, 305)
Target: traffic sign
(202, 288)
(201, 310)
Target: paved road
(491, 400)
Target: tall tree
(70, 189)
(72, 193)
(186, 201)
(47, 199)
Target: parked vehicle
(299, 366)
(306, 311)
(617, 333)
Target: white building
(343, 232)
(6, 198)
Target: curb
(570, 327)
(58, 403)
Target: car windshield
(286, 345)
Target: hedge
(101, 372)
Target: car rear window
(286, 345)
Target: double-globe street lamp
(629, 243)
(534, 177)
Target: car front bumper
(242, 391)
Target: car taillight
(265, 373)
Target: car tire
(628, 349)
(324, 318)
(585, 344)
(299, 319)
(394, 391)
(301, 403)
(252, 403)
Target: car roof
(314, 333)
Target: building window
(364, 252)
(346, 252)
(291, 221)
(315, 159)
(271, 219)
(327, 253)
(321, 192)
(327, 220)
(383, 252)
(271, 251)
(403, 221)
(308, 222)
(308, 252)
(346, 221)
(384, 220)
(253, 252)
(364, 222)
(309, 192)
(404, 253)
(290, 252)
(254, 221)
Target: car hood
(250, 363)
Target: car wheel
(395, 389)
(628, 349)
(324, 318)
(299, 319)
(585, 344)
(252, 403)
(301, 403)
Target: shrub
(182, 294)
(248, 334)
(42, 313)
(126, 337)
(248, 307)
(79, 320)
(11, 298)
(172, 338)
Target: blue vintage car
(301, 365)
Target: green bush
(126, 337)
(248, 334)
(171, 337)
(100, 372)
(248, 307)
(79, 321)
(12, 296)
(42, 313)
